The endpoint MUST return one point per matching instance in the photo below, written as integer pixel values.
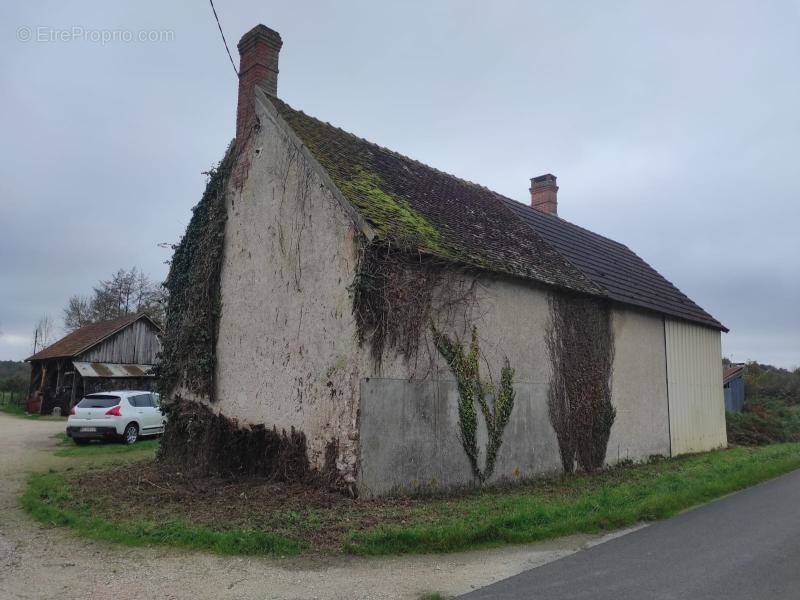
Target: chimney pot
(544, 194)
(258, 65)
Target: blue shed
(733, 384)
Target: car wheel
(80, 441)
(131, 434)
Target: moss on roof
(413, 205)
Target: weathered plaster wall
(639, 387)
(409, 429)
(286, 336)
(418, 419)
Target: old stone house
(118, 354)
(343, 261)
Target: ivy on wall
(396, 291)
(392, 296)
(202, 443)
(188, 353)
(580, 343)
(495, 404)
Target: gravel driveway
(43, 562)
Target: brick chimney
(258, 65)
(544, 194)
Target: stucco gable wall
(286, 349)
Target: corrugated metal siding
(734, 395)
(87, 369)
(694, 383)
(136, 344)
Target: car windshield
(99, 401)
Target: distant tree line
(14, 368)
(126, 292)
(766, 381)
(14, 378)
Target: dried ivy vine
(580, 343)
(396, 291)
(293, 163)
(495, 404)
(204, 443)
(188, 353)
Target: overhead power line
(224, 41)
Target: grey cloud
(672, 127)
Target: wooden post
(74, 385)
(41, 388)
(59, 372)
(32, 381)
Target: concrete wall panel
(410, 437)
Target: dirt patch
(157, 492)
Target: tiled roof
(84, 338)
(616, 268)
(410, 203)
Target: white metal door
(694, 384)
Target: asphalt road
(746, 545)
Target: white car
(125, 415)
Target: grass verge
(258, 517)
(144, 448)
(614, 499)
(18, 411)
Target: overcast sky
(672, 127)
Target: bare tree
(77, 313)
(126, 292)
(42, 333)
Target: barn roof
(84, 338)
(412, 204)
(731, 372)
